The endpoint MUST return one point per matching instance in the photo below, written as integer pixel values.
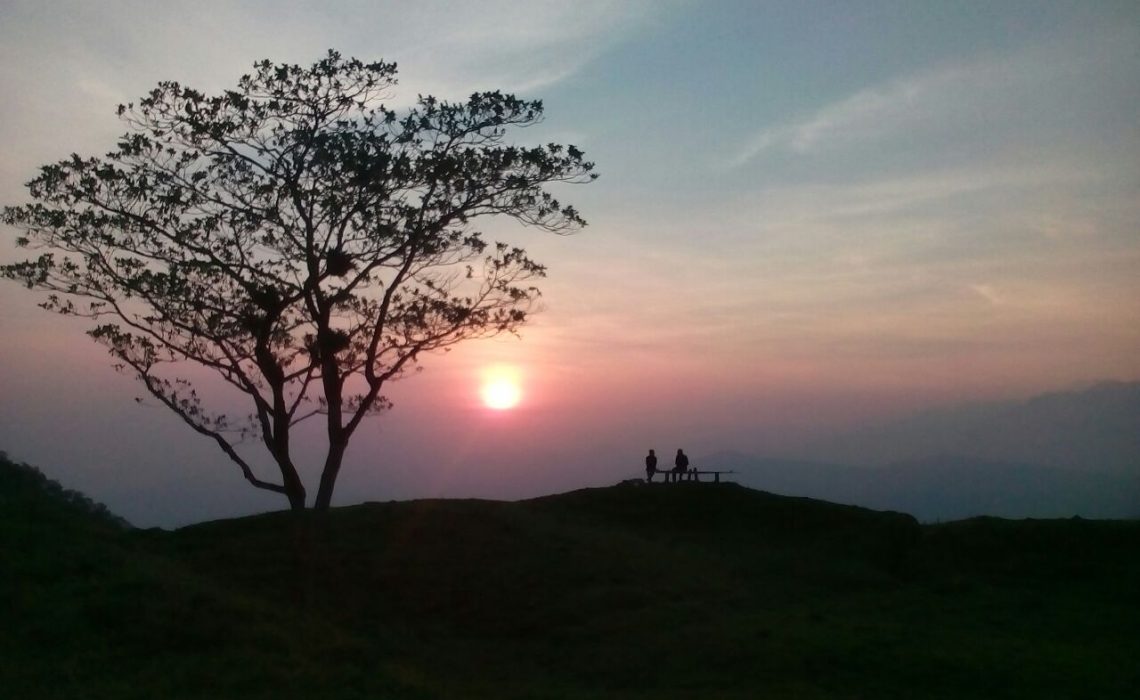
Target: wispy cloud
(71, 62)
(928, 266)
(501, 45)
(964, 100)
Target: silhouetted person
(680, 465)
(650, 465)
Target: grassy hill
(664, 591)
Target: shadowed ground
(679, 591)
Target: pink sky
(806, 221)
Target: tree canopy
(297, 237)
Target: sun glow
(500, 389)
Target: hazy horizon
(811, 217)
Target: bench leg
(716, 477)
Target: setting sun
(500, 389)
(501, 394)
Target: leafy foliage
(298, 238)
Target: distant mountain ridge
(945, 487)
(1095, 429)
(1056, 455)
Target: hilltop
(680, 591)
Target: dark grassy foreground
(683, 591)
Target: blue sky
(810, 215)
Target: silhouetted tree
(297, 237)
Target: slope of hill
(1097, 429)
(93, 609)
(633, 592)
(946, 487)
(29, 496)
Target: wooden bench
(692, 474)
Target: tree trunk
(296, 495)
(294, 488)
(329, 474)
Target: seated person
(680, 464)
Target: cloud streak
(995, 93)
(72, 62)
